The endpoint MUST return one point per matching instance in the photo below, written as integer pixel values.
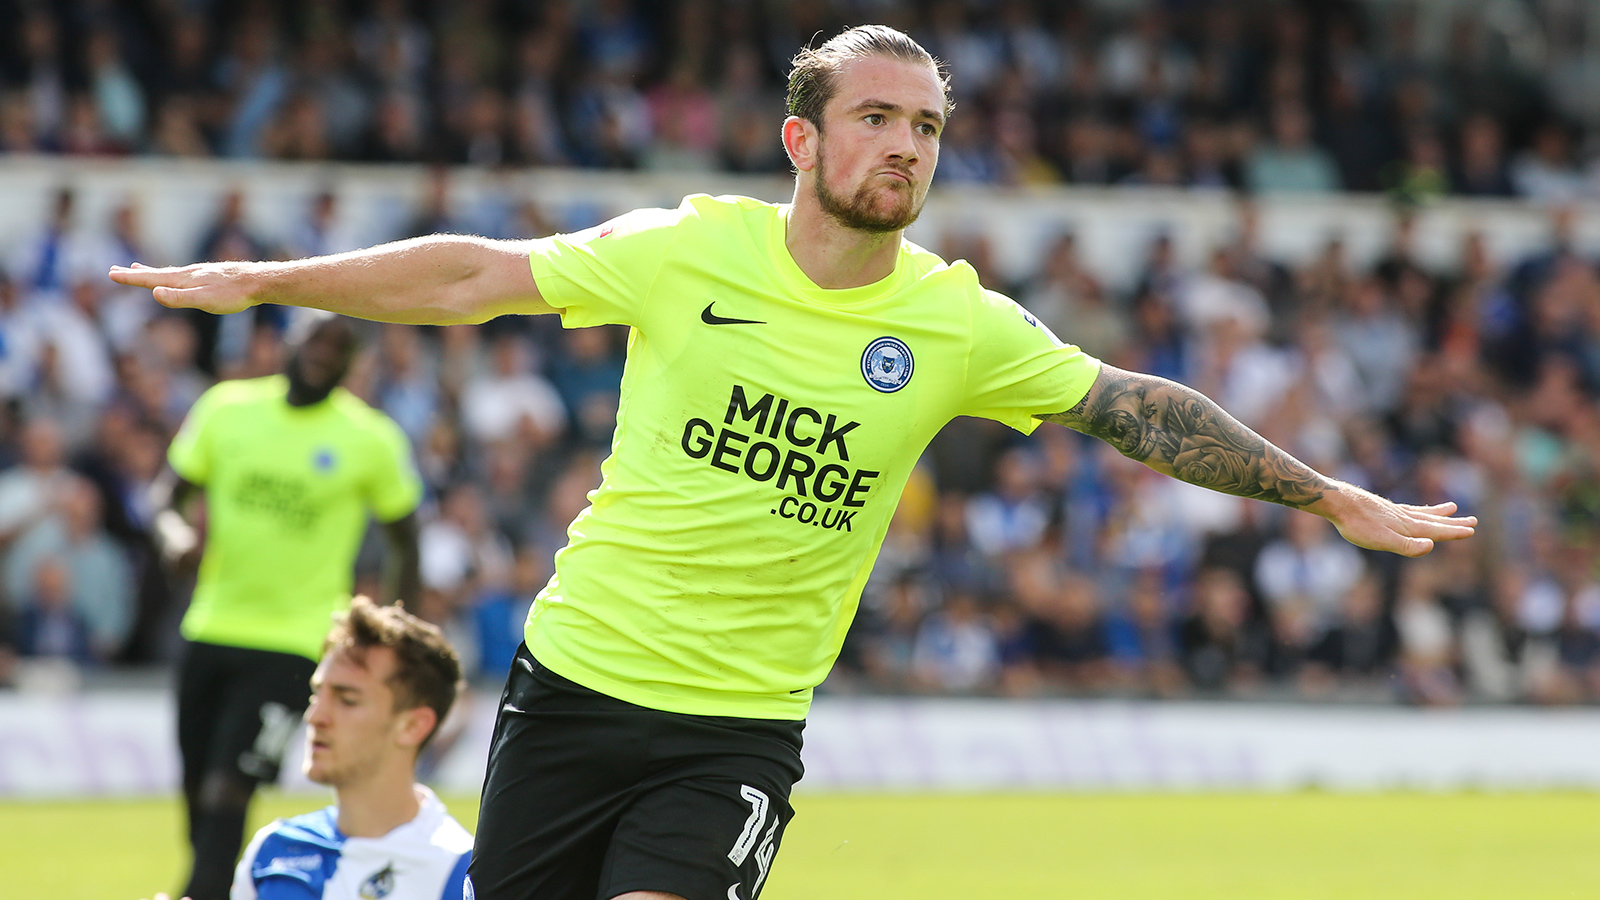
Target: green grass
(1173, 847)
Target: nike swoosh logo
(711, 318)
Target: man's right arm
(437, 280)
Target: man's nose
(904, 146)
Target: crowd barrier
(121, 743)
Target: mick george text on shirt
(802, 450)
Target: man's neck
(302, 396)
(833, 256)
(378, 805)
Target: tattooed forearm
(1179, 431)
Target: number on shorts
(278, 723)
(752, 826)
(764, 857)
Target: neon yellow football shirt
(765, 431)
(288, 491)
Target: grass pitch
(884, 847)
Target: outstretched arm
(438, 280)
(1180, 432)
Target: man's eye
(875, 119)
(928, 129)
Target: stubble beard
(861, 212)
(340, 776)
(339, 773)
(327, 777)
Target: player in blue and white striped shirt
(386, 681)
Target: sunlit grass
(962, 847)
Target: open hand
(219, 288)
(1370, 521)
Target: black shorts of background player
(238, 708)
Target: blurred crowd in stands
(1058, 566)
(1256, 94)
(1045, 565)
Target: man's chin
(899, 208)
(882, 218)
(318, 774)
(893, 202)
(898, 218)
(883, 209)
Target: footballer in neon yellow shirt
(786, 367)
(288, 493)
(292, 466)
(766, 429)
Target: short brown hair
(811, 80)
(427, 671)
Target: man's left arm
(1178, 431)
(402, 570)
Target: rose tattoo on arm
(1178, 431)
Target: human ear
(415, 726)
(800, 142)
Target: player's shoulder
(695, 209)
(728, 210)
(440, 829)
(726, 205)
(350, 406)
(719, 230)
(298, 844)
(245, 390)
(361, 414)
(320, 826)
(451, 836)
(928, 268)
(958, 281)
(235, 401)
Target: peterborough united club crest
(886, 364)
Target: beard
(860, 211)
(335, 776)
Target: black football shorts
(238, 708)
(588, 797)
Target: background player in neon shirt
(291, 467)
